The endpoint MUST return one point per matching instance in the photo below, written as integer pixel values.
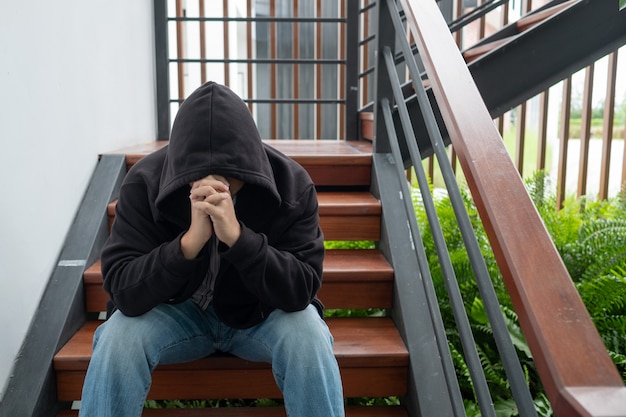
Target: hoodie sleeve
(143, 266)
(285, 273)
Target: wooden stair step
(351, 411)
(364, 274)
(331, 162)
(343, 215)
(531, 19)
(371, 355)
(523, 24)
(476, 52)
(328, 162)
(349, 215)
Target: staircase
(543, 48)
(582, 31)
(372, 356)
(513, 31)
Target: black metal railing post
(385, 37)
(352, 71)
(447, 9)
(162, 70)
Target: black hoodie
(277, 261)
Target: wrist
(191, 245)
(232, 239)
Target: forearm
(138, 282)
(279, 278)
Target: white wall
(76, 80)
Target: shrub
(591, 238)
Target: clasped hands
(212, 211)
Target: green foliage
(349, 244)
(483, 335)
(371, 401)
(261, 402)
(591, 238)
(355, 312)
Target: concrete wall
(76, 80)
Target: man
(216, 246)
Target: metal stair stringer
(534, 60)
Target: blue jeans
(127, 349)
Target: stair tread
(330, 202)
(343, 215)
(351, 411)
(339, 264)
(477, 51)
(347, 203)
(364, 272)
(298, 149)
(525, 22)
(329, 162)
(359, 342)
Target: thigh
(282, 331)
(169, 333)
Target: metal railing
(299, 86)
(292, 62)
(391, 99)
(547, 132)
(543, 129)
(577, 373)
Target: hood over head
(213, 133)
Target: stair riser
(359, 175)
(351, 411)
(340, 163)
(343, 227)
(249, 383)
(363, 274)
(332, 294)
(350, 227)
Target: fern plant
(591, 238)
(485, 344)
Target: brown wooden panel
(347, 175)
(334, 294)
(356, 295)
(367, 341)
(607, 127)
(367, 125)
(252, 383)
(95, 296)
(526, 22)
(343, 216)
(340, 163)
(351, 279)
(367, 349)
(476, 52)
(302, 150)
(347, 203)
(351, 411)
(350, 227)
(221, 383)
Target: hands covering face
(212, 211)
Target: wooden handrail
(579, 377)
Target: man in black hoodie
(216, 246)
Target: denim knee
(305, 334)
